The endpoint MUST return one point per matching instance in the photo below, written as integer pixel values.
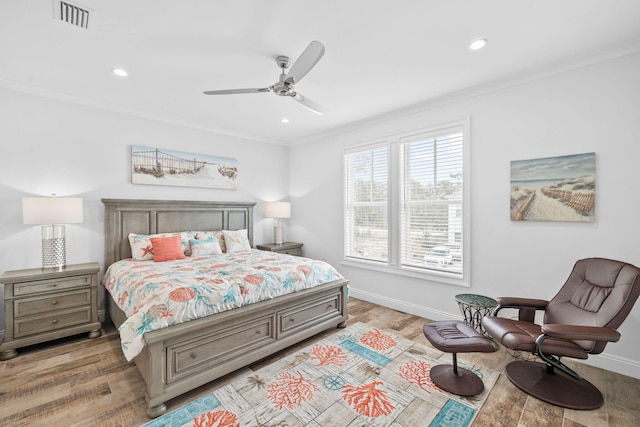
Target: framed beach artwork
(559, 188)
(157, 166)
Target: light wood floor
(85, 382)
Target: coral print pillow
(167, 248)
(236, 241)
(204, 247)
(142, 249)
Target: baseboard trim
(405, 307)
(605, 361)
(610, 362)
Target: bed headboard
(124, 216)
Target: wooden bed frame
(180, 358)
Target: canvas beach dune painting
(559, 188)
(166, 167)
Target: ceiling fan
(284, 86)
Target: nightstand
(46, 304)
(289, 248)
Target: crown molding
(21, 87)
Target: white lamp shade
(277, 210)
(51, 210)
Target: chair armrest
(515, 302)
(575, 332)
(526, 307)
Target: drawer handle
(258, 332)
(54, 321)
(291, 319)
(54, 285)
(330, 307)
(193, 355)
(54, 302)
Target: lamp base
(278, 231)
(54, 253)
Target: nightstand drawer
(59, 301)
(50, 322)
(296, 252)
(37, 286)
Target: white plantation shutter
(366, 216)
(431, 201)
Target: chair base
(557, 388)
(464, 383)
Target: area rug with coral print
(358, 376)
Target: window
(405, 207)
(431, 201)
(367, 198)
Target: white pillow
(236, 241)
(202, 247)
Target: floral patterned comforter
(155, 295)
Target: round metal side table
(474, 308)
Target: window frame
(393, 264)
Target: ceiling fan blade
(310, 105)
(307, 60)
(234, 91)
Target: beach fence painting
(554, 188)
(158, 166)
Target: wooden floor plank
(503, 406)
(539, 414)
(45, 413)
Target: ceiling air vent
(73, 14)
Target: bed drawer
(50, 322)
(316, 311)
(215, 348)
(39, 286)
(59, 301)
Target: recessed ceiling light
(285, 120)
(119, 72)
(478, 44)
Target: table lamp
(52, 213)
(277, 211)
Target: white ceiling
(381, 55)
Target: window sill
(408, 272)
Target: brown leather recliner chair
(580, 320)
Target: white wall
(49, 146)
(591, 109)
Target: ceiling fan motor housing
(283, 89)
